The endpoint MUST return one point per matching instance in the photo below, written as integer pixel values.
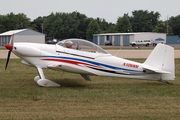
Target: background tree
(83, 24)
(111, 28)
(76, 25)
(93, 28)
(174, 22)
(37, 24)
(162, 28)
(23, 20)
(3, 25)
(61, 25)
(123, 24)
(66, 25)
(12, 22)
(102, 24)
(143, 21)
(47, 25)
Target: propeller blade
(9, 54)
(11, 40)
(9, 47)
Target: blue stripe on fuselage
(94, 63)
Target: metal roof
(12, 32)
(127, 33)
(21, 32)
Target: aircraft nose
(9, 47)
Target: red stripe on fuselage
(70, 62)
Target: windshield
(83, 45)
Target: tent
(159, 39)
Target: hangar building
(124, 39)
(173, 39)
(22, 35)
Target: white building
(124, 39)
(22, 35)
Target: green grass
(3, 49)
(102, 98)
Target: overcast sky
(108, 9)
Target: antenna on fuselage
(118, 51)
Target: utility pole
(22, 25)
(42, 27)
(167, 25)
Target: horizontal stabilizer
(153, 69)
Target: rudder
(162, 58)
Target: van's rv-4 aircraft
(86, 58)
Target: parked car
(108, 42)
(146, 42)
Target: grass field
(3, 49)
(103, 98)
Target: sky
(110, 10)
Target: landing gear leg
(44, 82)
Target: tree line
(62, 25)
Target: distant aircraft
(86, 58)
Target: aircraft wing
(84, 72)
(70, 68)
(154, 69)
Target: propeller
(9, 47)
(9, 53)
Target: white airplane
(86, 58)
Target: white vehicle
(86, 58)
(141, 42)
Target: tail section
(161, 60)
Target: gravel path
(118, 53)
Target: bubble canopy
(82, 45)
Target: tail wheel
(133, 45)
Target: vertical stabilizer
(162, 58)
